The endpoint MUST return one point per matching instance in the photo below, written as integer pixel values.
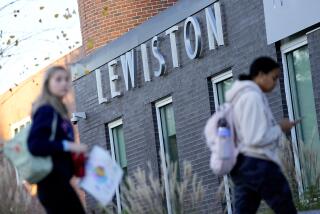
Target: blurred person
(257, 174)
(55, 191)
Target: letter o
(192, 21)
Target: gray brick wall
(245, 37)
(314, 53)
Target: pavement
(310, 212)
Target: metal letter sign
(113, 79)
(214, 26)
(99, 87)
(173, 43)
(159, 57)
(193, 46)
(192, 21)
(129, 69)
(145, 63)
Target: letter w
(128, 63)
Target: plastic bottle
(224, 139)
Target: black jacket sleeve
(40, 131)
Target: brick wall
(314, 53)
(105, 20)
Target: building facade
(150, 92)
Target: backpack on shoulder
(30, 168)
(220, 134)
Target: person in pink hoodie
(257, 174)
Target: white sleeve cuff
(66, 145)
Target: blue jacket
(39, 144)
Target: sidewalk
(311, 212)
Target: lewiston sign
(192, 43)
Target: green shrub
(310, 161)
(142, 192)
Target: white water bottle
(224, 140)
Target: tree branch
(9, 47)
(9, 4)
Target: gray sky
(42, 45)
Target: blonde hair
(46, 96)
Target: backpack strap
(238, 95)
(233, 101)
(54, 127)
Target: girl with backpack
(257, 174)
(55, 191)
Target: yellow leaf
(86, 72)
(90, 44)
(105, 11)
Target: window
(19, 126)
(168, 143)
(220, 85)
(118, 152)
(301, 103)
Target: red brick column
(105, 20)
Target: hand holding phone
(286, 125)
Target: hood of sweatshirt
(240, 87)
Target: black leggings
(58, 197)
(256, 179)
